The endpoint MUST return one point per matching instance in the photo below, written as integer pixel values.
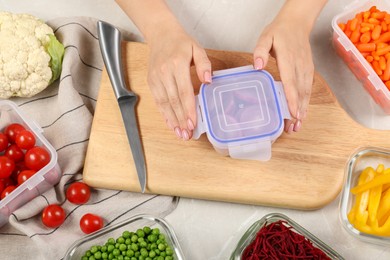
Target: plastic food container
(354, 59)
(242, 112)
(250, 235)
(77, 250)
(41, 181)
(362, 158)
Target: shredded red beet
(277, 241)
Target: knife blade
(110, 46)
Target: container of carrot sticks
(361, 37)
(275, 236)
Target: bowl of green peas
(139, 237)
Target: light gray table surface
(209, 229)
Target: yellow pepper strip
(382, 179)
(382, 220)
(380, 168)
(386, 186)
(383, 230)
(384, 206)
(374, 199)
(361, 214)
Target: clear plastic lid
(242, 106)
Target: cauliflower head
(30, 55)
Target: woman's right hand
(172, 51)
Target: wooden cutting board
(306, 170)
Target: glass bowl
(359, 160)
(250, 235)
(77, 250)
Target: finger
(162, 101)
(172, 91)
(202, 64)
(288, 76)
(186, 94)
(262, 50)
(288, 126)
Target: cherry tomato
(53, 216)
(90, 223)
(78, 193)
(7, 191)
(25, 139)
(6, 167)
(25, 175)
(3, 142)
(14, 153)
(12, 130)
(36, 158)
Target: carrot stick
(382, 63)
(365, 37)
(366, 47)
(373, 21)
(375, 66)
(386, 71)
(385, 37)
(355, 36)
(376, 33)
(353, 24)
(382, 51)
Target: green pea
(143, 244)
(161, 258)
(168, 257)
(152, 238)
(161, 247)
(111, 241)
(128, 241)
(134, 238)
(152, 254)
(126, 258)
(116, 252)
(110, 256)
(161, 237)
(157, 251)
(134, 247)
(103, 249)
(140, 233)
(133, 258)
(163, 254)
(122, 247)
(98, 255)
(126, 234)
(88, 253)
(104, 255)
(120, 257)
(147, 230)
(137, 254)
(120, 240)
(110, 248)
(84, 258)
(169, 251)
(130, 253)
(91, 257)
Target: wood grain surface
(306, 170)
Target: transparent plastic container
(354, 59)
(77, 250)
(250, 235)
(242, 112)
(362, 158)
(42, 180)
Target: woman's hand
(171, 53)
(287, 39)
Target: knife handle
(110, 46)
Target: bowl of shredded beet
(276, 236)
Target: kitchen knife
(110, 46)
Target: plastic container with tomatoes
(35, 162)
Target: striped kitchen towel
(65, 111)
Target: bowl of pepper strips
(365, 198)
(275, 236)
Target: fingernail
(178, 132)
(185, 135)
(290, 129)
(259, 63)
(207, 77)
(190, 124)
(297, 126)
